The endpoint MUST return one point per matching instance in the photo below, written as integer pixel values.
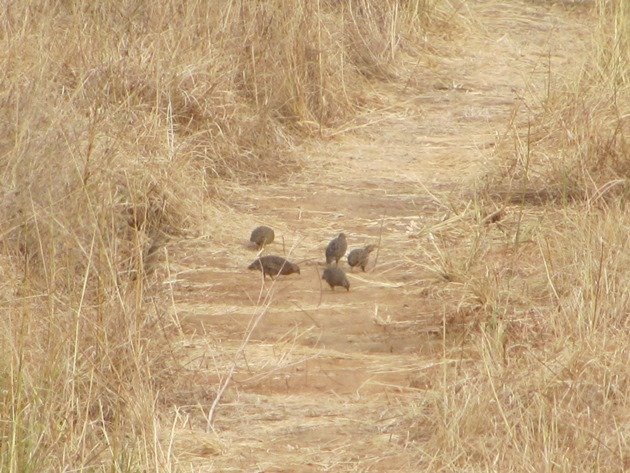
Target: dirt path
(327, 376)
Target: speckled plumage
(274, 265)
(262, 236)
(359, 256)
(336, 249)
(336, 277)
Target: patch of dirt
(321, 381)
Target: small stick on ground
(307, 314)
(494, 217)
(378, 247)
(321, 289)
(239, 352)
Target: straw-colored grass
(575, 143)
(542, 289)
(542, 379)
(122, 122)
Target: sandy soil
(324, 380)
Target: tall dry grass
(575, 145)
(535, 373)
(541, 379)
(119, 122)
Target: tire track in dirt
(321, 381)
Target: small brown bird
(274, 265)
(360, 256)
(336, 249)
(336, 277)
(262, 236)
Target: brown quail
(336, 277)
(262, 236)
(274, 265)
(336, 249)
(359, 256)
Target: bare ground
(328, 379)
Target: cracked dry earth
(328, 380)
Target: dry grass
(542, 379)
(575, 144)
(542, 293)
(119, 122)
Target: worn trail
(323, 380)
